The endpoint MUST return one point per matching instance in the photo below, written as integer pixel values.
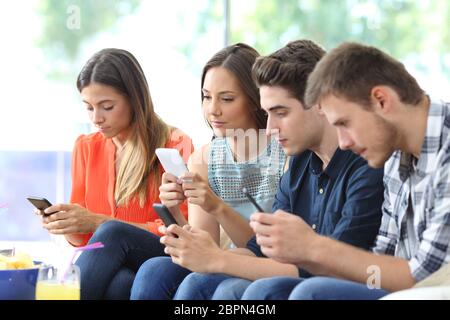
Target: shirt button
(314, 226)
(320, 190)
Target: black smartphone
(40, 203)
(252, 200)
(164, 213)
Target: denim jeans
(315, 288)
(274, 288)
(108, 273)
(199, 286)
(161, 279)
(323, 288)
(231, 289)
(157, 279)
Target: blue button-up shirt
(343, 201)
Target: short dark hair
(288, 67)
(239, 59)
(351, 70)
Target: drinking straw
(92, 246)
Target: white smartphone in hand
(171, 161)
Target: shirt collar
(430, 147)
(334, 167)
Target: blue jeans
(323, 288)
(199, 286)
(231, 289)
(275, 288)
(157, 279)
(108, 273)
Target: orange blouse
(94, 178)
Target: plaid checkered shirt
(416, 211)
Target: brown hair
(351, 71)
(119, 69)
(239, 59)
(288, 67)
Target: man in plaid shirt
(383, 115)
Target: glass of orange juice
(53, 286)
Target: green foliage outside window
(400, 27)
(60, 37)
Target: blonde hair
(138, 165)
(119, 69)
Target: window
(42, 114)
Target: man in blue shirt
(334, 191)
(381, 113)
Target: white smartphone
(171, 161)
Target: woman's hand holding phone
(72, 218)
(40, 204)
(198, 192)
(171, 191)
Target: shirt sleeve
(360, 216)
(78, 170)
(78, 194)
(254, 247)
(282, 197)
(434, 249)
(182, 142)
(386, 240)
(154, 225)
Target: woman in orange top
(115, 175)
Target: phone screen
(171, 161)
